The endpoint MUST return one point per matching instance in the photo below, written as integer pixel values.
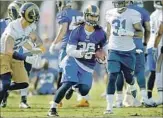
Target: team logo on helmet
(30, 12)
(91, 15)
(63, 3)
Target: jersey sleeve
(10, 30)
(104, 41)
(136, 17)
(146, 16)
(73, 38)
(62, 17)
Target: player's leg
(119, 88)
(70, 70)
(24, 92)
(114, 70)
(5, 74)
(151, 66)
(6, 80)
(85, 83)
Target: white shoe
(118, 105)
(108, 112)
(128, 100)
(24, 105)
(137, 103)
(148, 102)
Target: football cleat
(53, 112)
(83, 103)
(148, 102)
(24, 105)
(128, 100)
(108, 112)
(69, 93)
(136, 103)
(4, 101)
(118, 105)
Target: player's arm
(9, 44)
(147, 31)
(159, 35)
(108, 31)
(36, 39)
(138, 30)
(62, 31)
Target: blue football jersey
(92, 42)
(46, 78)
(145, 17)
(70, 16)
(3, 25)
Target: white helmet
(158, 4)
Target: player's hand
(52, 49)
(123, 32)
(139, 51)
(33, 59)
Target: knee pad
(83, 89)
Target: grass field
(40, 106)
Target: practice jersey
(71, 17)
(3, 25)
(94, 41)
(125, 21)
(145, 17)
(46, 78)
(156, 19)
(20, 35)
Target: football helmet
(30, 12)
(120, 4)
(63, 3)
(137, 2)
(91, 15)
(158, 4)
(13, 9)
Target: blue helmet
(30, 12)
(91, 11)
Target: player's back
(125, 21)
(71, 16)
(156, 18)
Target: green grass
(40, 106)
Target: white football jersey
(125, 21)
(156, 19)
(20, 35)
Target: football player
(121, 28)
(68, 19)
(140, 60)
(16, 35)
(45, 79)
(154, 44)
(79, 63)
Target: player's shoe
(69, 93)
(53, 112)
(4, 101)
(148, 102)
(128, 100)
(108, 112)
(137, 103)
(118, 104)
(24, 105)
(83, 103)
